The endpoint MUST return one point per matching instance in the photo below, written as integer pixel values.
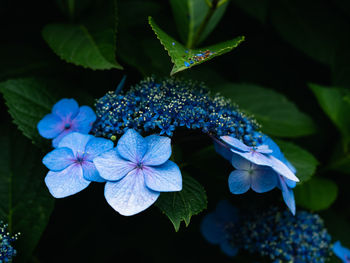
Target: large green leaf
(302, 160)
(28, 100)
(25, 203)
(181, 206)
(196, 19)
(277, 115)
(180, 56)
(91, 44)
(316, 194)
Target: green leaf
(302, 160)
(28, 100)
(91, 44)
(181, 206)
(335, 103)
(196, 19)
(277, 115)
(316, 194)
(25, 203)
(180, 55)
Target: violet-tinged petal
(288, 195)
(163, 178)
(282, 169)
(235, 143)
(84, 120)
(90, 172)
(132, 146)
(96, 146)
(264, 180)
(130, 195)
(59, 159)
(240, 163)
(255, 157)
(158, 150)
(75, 141)
(341, 252)
(112, 166)
(67, 109)
(239, 181)
(57, 140)
(50, 126)
(66, 182)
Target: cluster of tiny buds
(7, 252)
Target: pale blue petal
(240, 163)
(130, 195)
(158, 151)
(239, 182)
(97, 146)
(223, 151)
(290, 183)
(57, 140)
(59, 159)
(90, 172)
(66, 108)
(264, 180)
(288, 195)
(263, 149)
(235, 143)
(228, 249)
(282, 169)
(255, 157)
(112, 166)
(50, 126)
(75, 141)
(66, 182)
(212, 229)
(84, 120)
(132, 146)
(341, 252)
(163, 178)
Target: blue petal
(84, 120)
(163, 178)
(50, 126)
(264, 180)
(240, 163)
(290, 183)
(228, 249)
(255, 157)
(75, 141)
(112, 166)
(235, 143)
(67, 109)
(239, 181)
(90, 172)
(59, 159)
(341, 252)
(57, 140)
(132, 146)
(223, 151)
(212, 229)
(130, 195)
(288, 195)
(66, 182)
(158, 150)
(97, 146)
(282, 169)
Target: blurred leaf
(277, 115)
(91, 44)
(256, 8)
(73, 8)
(25, 203)
(28, 100)
(181, 206)
(316, 194)
(302, 160)
(196, 19)
(181, 56)
(335, 103)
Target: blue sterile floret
(163, 106)
(7, 252)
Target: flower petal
(255, 157)
(158, 150)
(130, 195)
(239, 181)
(132, 146)
(235, 143)
(240, 163)
(75, 141)
(50, 126)
(212, 229)
(264, 180)
(163, 178)
(84, 120)
(59, 159)
(57, 140)
(66, 109)
(282, 169)
(90, 172)
(341, 252)
(66, 182)
(111, 166)
(228, 249)
(96, 146)
(288, 195)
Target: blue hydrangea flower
(66, 117)
(70, 164)
(286, 187)
(341, 252)
(136, 171)
(7, 252)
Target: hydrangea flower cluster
(162, 106)
(274, 234)
(7, 252)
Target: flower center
(79, 160)
(139, 165)
(67, 126)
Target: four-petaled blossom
(66, 117)
(136, 171)
(70, 164)
(341, 252)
